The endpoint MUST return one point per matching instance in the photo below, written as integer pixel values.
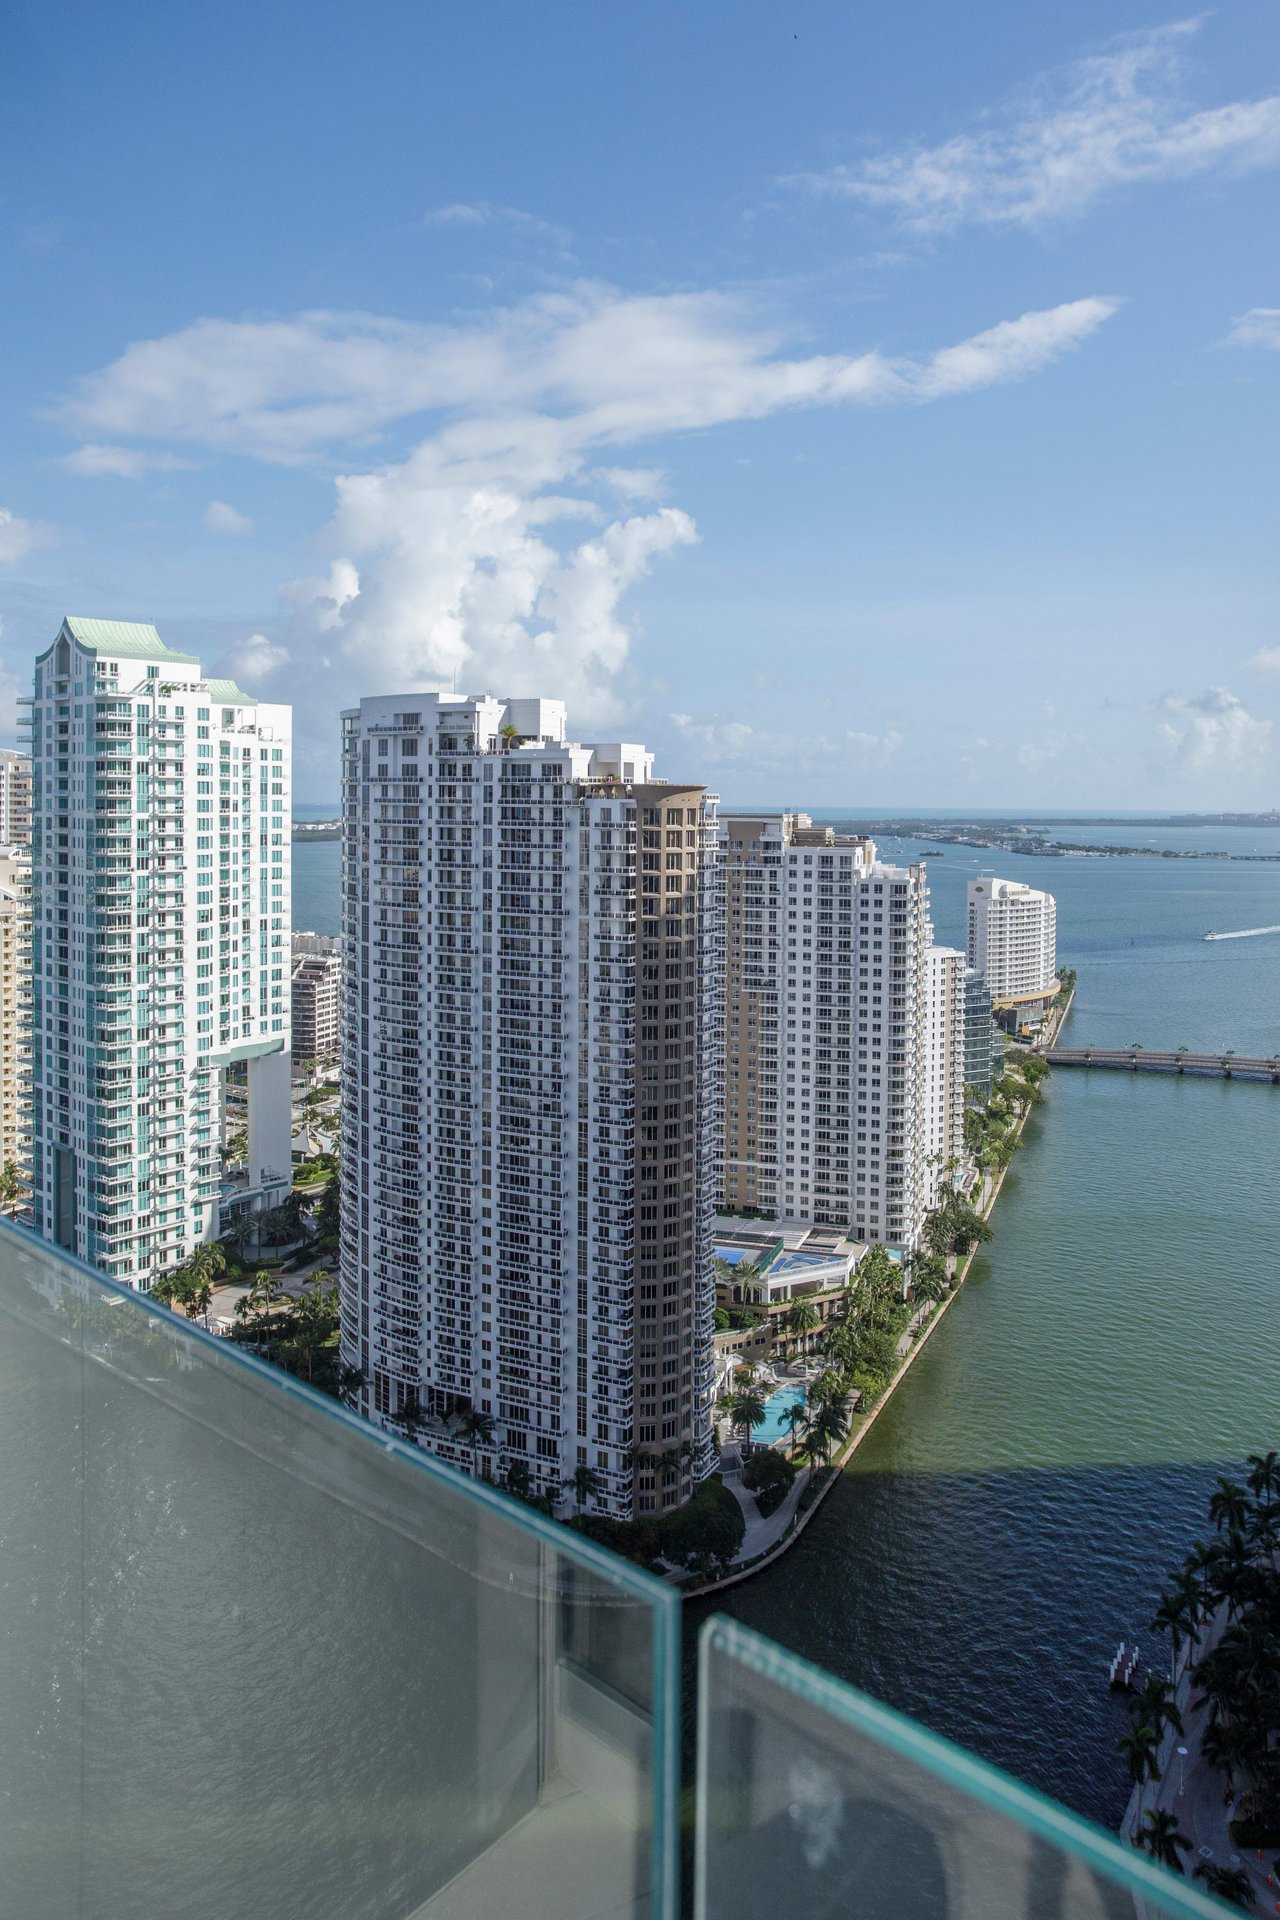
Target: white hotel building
(1012, 943)
(827, 1031)
(160, 945)
(531, 1089)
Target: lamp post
(1182, 1770)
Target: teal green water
(1046, 1461)
(1015, 1510)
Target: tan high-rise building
(15, 1009)
(825, 1029)
(531, 1096)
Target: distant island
(1011, 836)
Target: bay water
(1046, 1462)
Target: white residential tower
(160, 945)
(531, 1095)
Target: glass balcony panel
(815, 1800)
(257, 1659)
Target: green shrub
(705, 1533)
(768, 1475)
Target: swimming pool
(776, 1407)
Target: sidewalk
(761, 1534)
(1192, 1791)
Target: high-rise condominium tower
(531, 1087)
(943, 1078)
(826, 1028)
(15, 1009)
(317, 992)
(160, 945)
(15, 799)
(1012, 942)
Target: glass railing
(814, 1800)
(256, 1660)
(259, 1659)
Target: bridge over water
(1217, 1066)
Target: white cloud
(20, 537)
(487, 213)
(1260, 327)
(457, 565)
(95, 461)
(735, 743)
(633, 483)
(1210, 728)
(556, 375)
(874, 749)
(220, 518)
(1116, 118)
(255, 659)
(1266, 660)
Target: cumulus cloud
(95, 461)
(1116, 118)
(255, 659)
(1210, 729)
(1266, 660)
(1260, 327)
(220, 518)
(20, 537)
(469, 563)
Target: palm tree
(832, 1423)
(802, 1318)
(1140, 1749)
(518, 1480)
(796, 1416)
(1171, 1617)
(929, 1278)
(477, 1429)
(1161, 1837)
(11, 1186)
(1228, 1505)
(1156, 1707)
(749, 1411)
(263, 1294)
(1231, 1884)
(583, 1483)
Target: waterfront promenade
(1195, 1793)
(767, 1538)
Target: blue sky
(868, 406)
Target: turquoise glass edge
(228, 1355)
(884, 1726)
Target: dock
(1212, 1066)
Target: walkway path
(763, 1532)
(1194, 1793)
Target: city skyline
(929, 401)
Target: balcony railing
(257, 1658)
